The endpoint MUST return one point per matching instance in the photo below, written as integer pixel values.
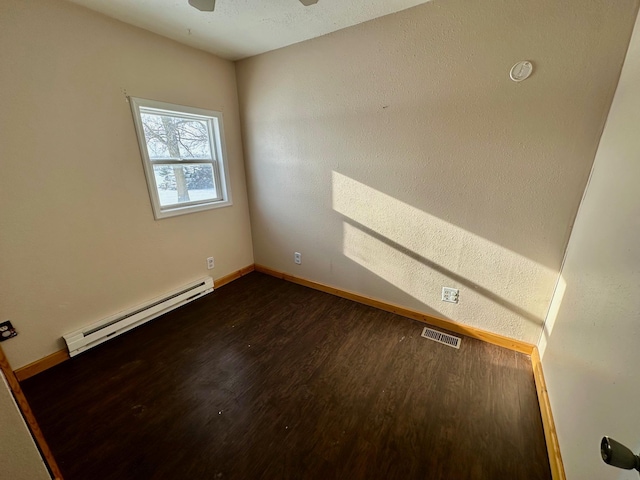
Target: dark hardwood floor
(268, 379)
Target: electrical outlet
(7, 331)
(297, 258)
(450, 295)
(210, 263)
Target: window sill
(176, 211)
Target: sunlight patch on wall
(396, 220)
(552, 315)
(387, 262)
(420, 253)
(408, 274)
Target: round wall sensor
(521, 71)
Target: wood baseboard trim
(233, 276)
(23, 404)
(41, 365)
(550, 435)
(450, 325)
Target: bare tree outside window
(175, 138)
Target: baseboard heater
(110, 327)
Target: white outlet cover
(450, 294)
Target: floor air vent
(440, 337)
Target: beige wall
(592, 356)
(19, 456)
(398, 157)
(78, 238)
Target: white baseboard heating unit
(110, 327)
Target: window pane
(183, 183)
(175, 137)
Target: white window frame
(219, 161)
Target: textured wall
(398, 157)
(19, 456)
(78, 240)
(591, 358)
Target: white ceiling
(242, 28)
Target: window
(183, 154)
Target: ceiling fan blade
(204, 5)
(306, 3)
